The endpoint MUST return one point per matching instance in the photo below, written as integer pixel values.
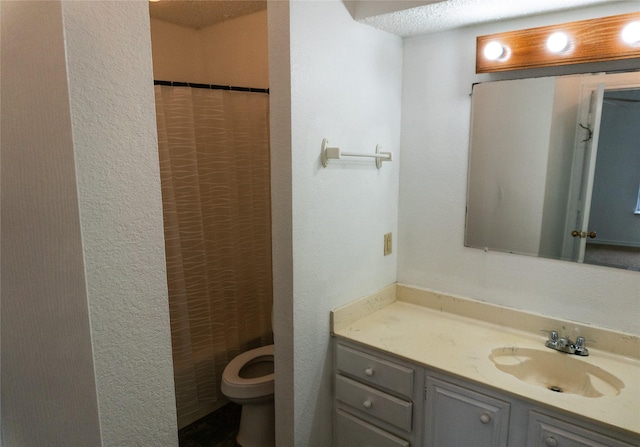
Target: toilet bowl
(248, 380)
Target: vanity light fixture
(595, 40)
(558, 42)
(631, 33)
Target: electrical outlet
(388, 244)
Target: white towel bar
(334, 153)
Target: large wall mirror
(554, 168)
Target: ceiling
(401, 17)
(450, 14)
(202, 13)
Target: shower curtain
(214, 166)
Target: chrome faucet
(566, 345)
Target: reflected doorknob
(582, 234)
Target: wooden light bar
(594, 40)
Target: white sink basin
(556, 371)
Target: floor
(219, 429)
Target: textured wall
(115, 145)
(345, 86)
(437, 78)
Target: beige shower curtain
(214, 165)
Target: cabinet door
(460, 417)
(546, 431)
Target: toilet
(248, 380)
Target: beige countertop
(451, 334)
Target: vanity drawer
(375, 371)
(354, 432)
(374, 402)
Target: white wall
(116, 285)
(345, 86)
(437, 77)
(234, 52)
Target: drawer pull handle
(367, 403)
(368, 372)
(551, 442)
(485, 418)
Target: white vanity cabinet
(381, 401)
(378, 400)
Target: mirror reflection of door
(538, 154)
(616, 180)
(585, 155)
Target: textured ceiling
(401, 17)
(202, 13)
(452, 14)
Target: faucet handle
(553, 340)
(581, 349)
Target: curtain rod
(211, 86)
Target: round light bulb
(631, 33)
(493, 51)
(557, 42)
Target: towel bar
(334, 153)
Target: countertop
(424, 333)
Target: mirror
(554, 168)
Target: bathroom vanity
(414, 368)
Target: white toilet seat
(234, 386)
